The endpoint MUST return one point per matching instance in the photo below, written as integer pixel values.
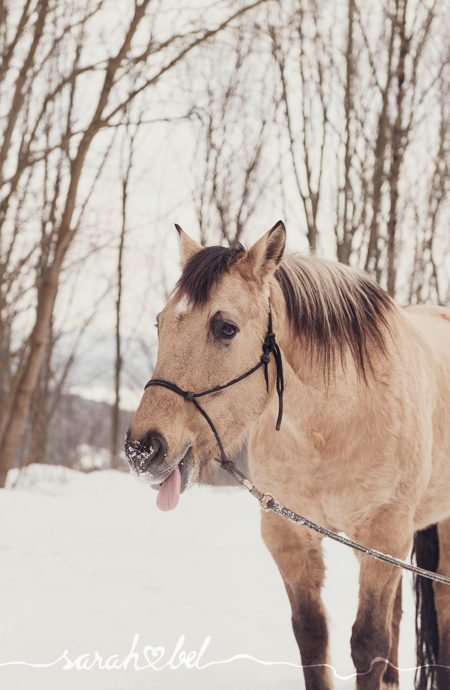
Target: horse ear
(188, 246)
(267, 252)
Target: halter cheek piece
(269, 346)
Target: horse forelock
(332, 308)
(204, 271)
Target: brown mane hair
(202, 273)
(330, 306)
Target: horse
(364, 444)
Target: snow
(89, 563)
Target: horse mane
(331, 307)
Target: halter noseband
(269, 345)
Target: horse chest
(331, 503)
(302, 479)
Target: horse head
(210, 332)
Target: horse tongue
(169, 493)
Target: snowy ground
(88, 563)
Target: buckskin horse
(364, 445)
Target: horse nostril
(155, 449)
(147, 455)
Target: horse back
(432, 324)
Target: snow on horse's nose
(148, 455)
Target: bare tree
(402, 82)
(303, 61)
(431, 215)
(128, 151)
(112, 94)
(231, 120)
(357, 93)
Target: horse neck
(307, 382)
(295, 355)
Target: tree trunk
(397, 153)
(344, 245)
(30, 375)
(115, 458)
(372, 262)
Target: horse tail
(426, 555)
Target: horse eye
(228, 330)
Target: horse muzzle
(149, 460)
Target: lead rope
(266, 500)
(268, 503)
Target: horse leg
(390, 675)
(442, 599)
(372, 637)
(390, 679)
(298, 555)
